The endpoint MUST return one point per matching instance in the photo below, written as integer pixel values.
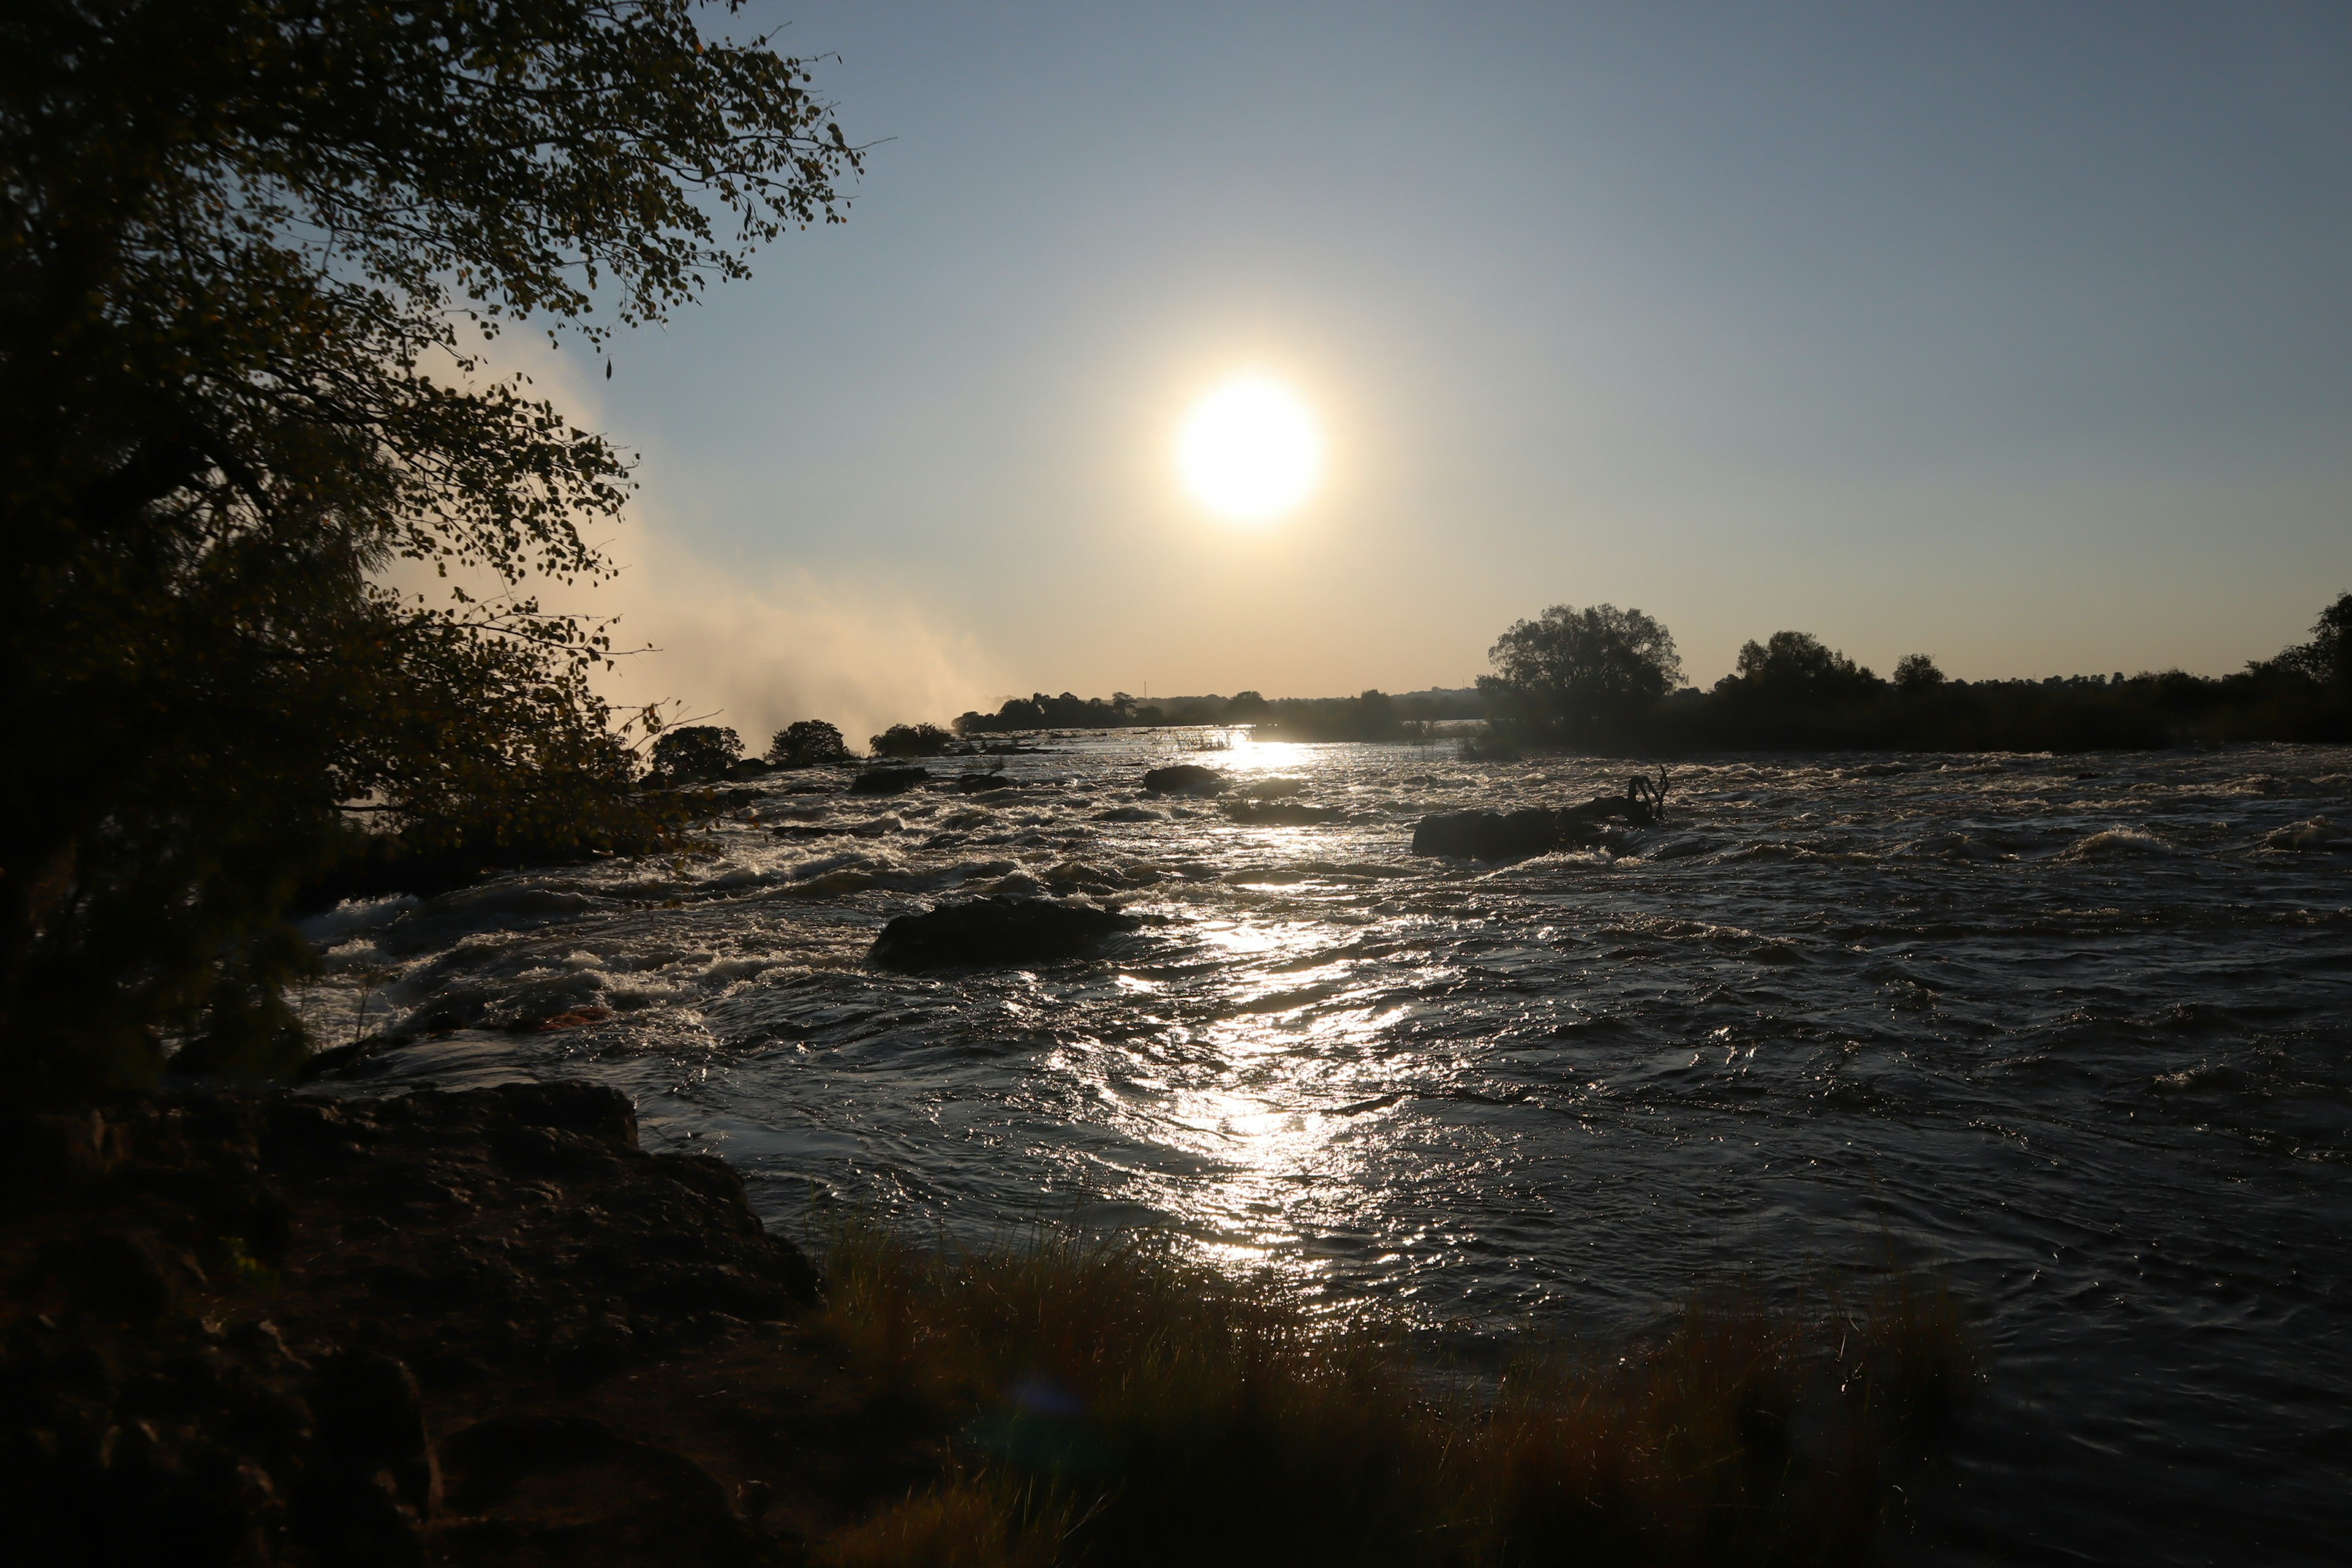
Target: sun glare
(1250, 450)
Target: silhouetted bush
(695, 752)
(806, 743)
(911, 740)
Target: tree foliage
(911, 740)
(1554, 685)
(1917, 673)
(251, 252)
(1580, 676)
(692, 753)
(1796, 667)
(2327, 658)
(806, 743)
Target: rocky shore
(452, 1328)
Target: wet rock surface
(887, 780)
(450, 1328)
(1534, 830)
(1184, 778)
(996, 931)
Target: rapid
(2073, 1030)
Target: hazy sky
(2020, 334)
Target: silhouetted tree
(1796, 667)
(805, 743)
(1915, 672)
(247, 251)
(911, 740)
(2327, 656)
(1584, 676)
(696, 752)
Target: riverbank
(485, 1327)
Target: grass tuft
(1116, 1402)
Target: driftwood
(1540, 830)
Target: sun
(1250, 449)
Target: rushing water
(2075, 1027)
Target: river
(2074, 1030)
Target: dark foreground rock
(1185, 778)
(995, 931)
(469, 1328)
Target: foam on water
(2077, 1030)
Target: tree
(1915, 672)
(2327, 656)
(805, 743)
(1585, 677)
(1796, 669)
(911, 740)
(695, 752)
(250, 253)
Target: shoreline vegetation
(484, 1327)
(1607, 681)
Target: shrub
(696, 752)
(807, 743)
(911, 740)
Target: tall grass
(1112, 1401)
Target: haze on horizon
(2013, 333)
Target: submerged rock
(988, 931)
(1184, 778)
(887, 780)
(980, 783)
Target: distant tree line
(1603, 680)
(1369, 715)
(1599, 679)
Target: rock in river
(1488, 834)
(887, 780)
(1184, 778)
(997, 932)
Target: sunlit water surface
(2074, 1028)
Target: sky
(2017, 335)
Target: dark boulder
(532, 1488)
(1184, 778)
(1536, 830)
(887, 780)
(1488, 834)
(980, 783)
(994, 932)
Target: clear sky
(2020, 334)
